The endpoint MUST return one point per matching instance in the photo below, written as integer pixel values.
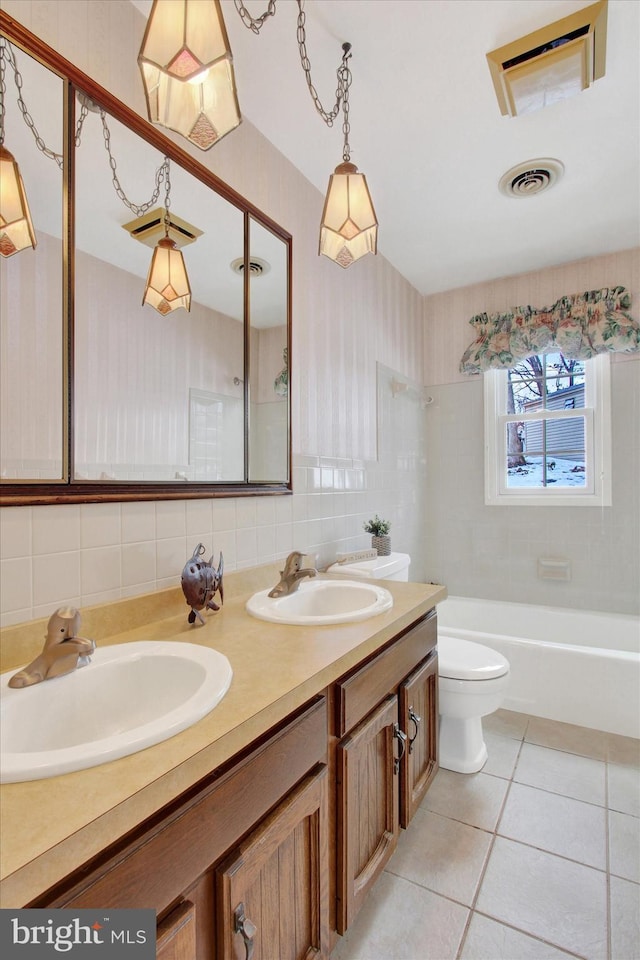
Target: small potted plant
(380, 539)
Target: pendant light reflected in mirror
(16, 226)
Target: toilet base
(461, 745)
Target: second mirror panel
(269, 356)
(156, 397)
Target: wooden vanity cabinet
(261, 821)
(387, 722)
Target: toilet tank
(393, 567)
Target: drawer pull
(401, 737)
(416, 720)
(247, 929)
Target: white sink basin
(128, 697)
(322, 602)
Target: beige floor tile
(402, 921)
(474, 798)
(572, 776)
(624, 750)
(568, 737)
(507, 723)
(555, 823)
(551, 898)
(624, 789)
(443, 855)
(489, 940)
(503, 753)
(625, 920)
(624, 846)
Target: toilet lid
(463, 660)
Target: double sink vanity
(258, 829)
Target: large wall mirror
(102, 397)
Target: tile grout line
(607, 855)
(474, 900)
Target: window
(547, 432)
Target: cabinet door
(272, 892)
(368, 825)
(176, 935)
(419, 720)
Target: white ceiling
(427, 131)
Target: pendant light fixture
(167, 286)
(187, 70)
(186, 66)
(16, 226)
(349, 228)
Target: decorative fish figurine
(200, 583)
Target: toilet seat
(463, 660)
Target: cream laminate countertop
(50, 827)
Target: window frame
(597, 417)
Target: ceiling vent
(551, 64)
(150, 228)
(257, 267)
(530, 178)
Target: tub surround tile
(486, 938)
(547, 896)
(443, 855)
(578, 777)
(625, 919)
(569, 828)
(399, 915)
(568, 737)
(475, 798)
(624, 846)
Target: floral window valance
(579, 326)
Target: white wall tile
(99, 524)
(55, 528)
(138, 563)
(15, 532)
(138, 521)
(170, 519)
(17, 580)
(56, 579)
(100, 570)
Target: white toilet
(472, 678)
(472, 683)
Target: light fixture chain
(161, 172)
(255, 24)
(6, 53)
(343, 72)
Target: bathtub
(577, 666)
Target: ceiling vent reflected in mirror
(257, 267)
(150, 228)
(551, 64)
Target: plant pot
(382, 545)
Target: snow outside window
(548, 432)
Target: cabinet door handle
(247, 929)
(416, 720)
(401, 737)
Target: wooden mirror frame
(68, 490)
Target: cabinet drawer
(360, 691)
(162, 859)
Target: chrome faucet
(62, 653)
(291, 576)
